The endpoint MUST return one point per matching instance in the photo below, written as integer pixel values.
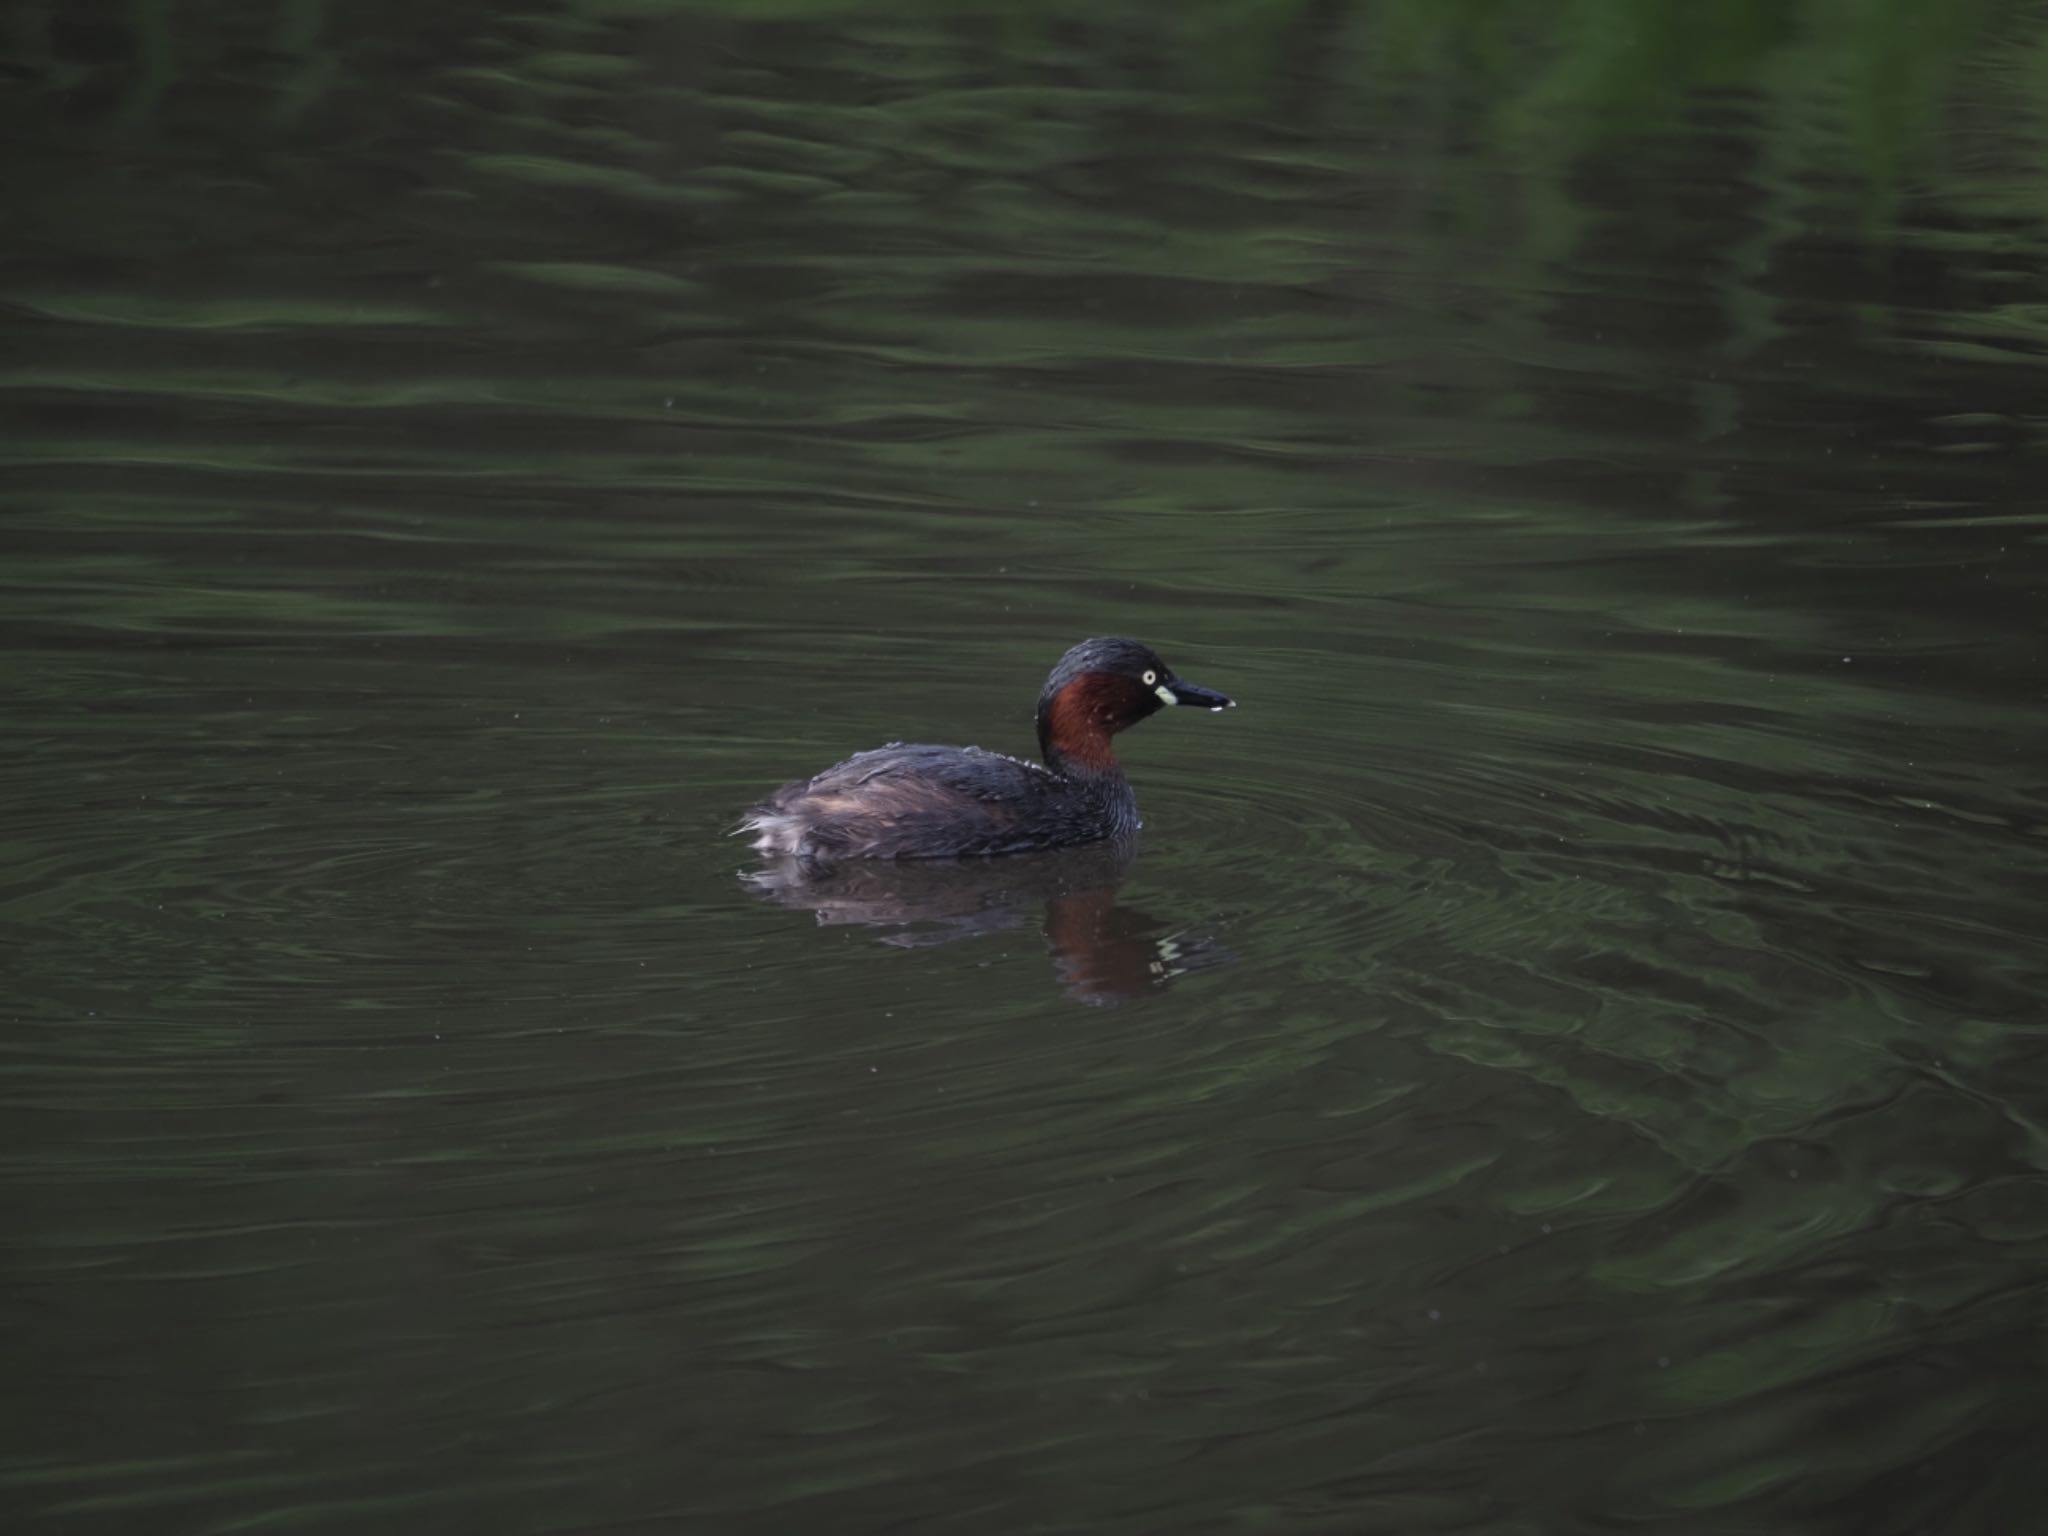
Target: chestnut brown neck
(1076, 723)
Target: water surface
(1568, 1050)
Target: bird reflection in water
(1102, 952)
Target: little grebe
(907, 801)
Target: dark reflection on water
(1102, 952)
(1580, 1055)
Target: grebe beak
(1178, 692)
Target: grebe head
(1101, 687)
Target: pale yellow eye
(1151, 678)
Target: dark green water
(1569, 1055)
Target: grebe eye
(1151, 678)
